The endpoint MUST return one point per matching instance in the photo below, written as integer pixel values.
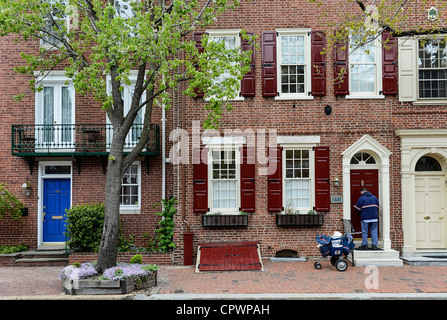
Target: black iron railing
(76, 139)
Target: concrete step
(40, 257)
(380, 258)
(40, 262)
(427, 258)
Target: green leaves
(90, 39)
(9, 204)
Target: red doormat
(229, 256)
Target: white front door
(430, 211)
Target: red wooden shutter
(318, 62)
(341, 66)
(274, 187)
(248, 81)
(197, 37)
(200, 183)
(322, 179)
(269, 85)
(389, 64)
(248, 199)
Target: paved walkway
(278, 280)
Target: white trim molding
(382, 157)
(416, 143)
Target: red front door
(362, 179)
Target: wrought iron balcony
(75, 139)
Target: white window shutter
(408, 56)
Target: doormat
(229, 256)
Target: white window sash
(211, 180)
(133, 208)
(376, 94)
(310, 179)
(307, 62)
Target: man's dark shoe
(362, 247)
(374, 247)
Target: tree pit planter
(98, 287)
(299, 219)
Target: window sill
(303, 97)
(363, 97)
(428, 102)
(299, 219)
(124, 210)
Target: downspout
(163, 153)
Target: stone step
(40, 262)
(380, 258)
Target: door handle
(441, 218)
(44, 216)
(427, 218)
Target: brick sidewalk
(302, 277)
(277, 277)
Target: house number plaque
(336, 199)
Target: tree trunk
(108, 249)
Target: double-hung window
(432, 67)
(297, 180)
(293, 64)
(131, 190)
(224, 178)
(231, 40)
(365, 73)
(56, 19)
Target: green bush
(136, 259)
(13, 249)
(84, 227)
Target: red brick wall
(349, 121)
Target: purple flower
(124, 271)
(84, 271)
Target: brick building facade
(383, 127)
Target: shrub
(13, 249)
(136, 259)
(84, 227)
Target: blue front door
(56, 199)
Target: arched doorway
(369, 161)
(430, 203)
(364, 173)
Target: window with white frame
(365, 73)
(297, 180)
(54, 114)
(124, 9)
(57, 18)
(432, 69)
(294, 64)
(130, 187)
(232, 40)
(135, 131)
(224, 173)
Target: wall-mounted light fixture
(26, 188)
(336, 182)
